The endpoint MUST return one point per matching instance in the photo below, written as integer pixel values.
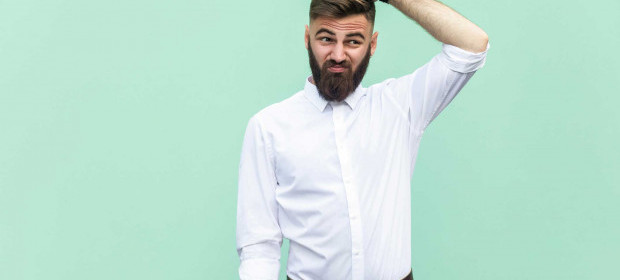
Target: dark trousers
(408, 277)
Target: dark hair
(342, 8)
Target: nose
(337, 53)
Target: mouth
(337, 69)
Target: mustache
(331, 62)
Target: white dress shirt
(335, 177)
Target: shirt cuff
(260, 261)
(460, 60)
(259, 269)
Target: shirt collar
(312, 94)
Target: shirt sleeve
(430, 88)
(258, 233)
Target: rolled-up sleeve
(429, 89)
(258, 233)
(460, 60)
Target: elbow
(476, 43)
(482, 42)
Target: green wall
(121, 124)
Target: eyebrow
(355, 34)
(324, 30)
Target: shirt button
(357, 253)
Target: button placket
(351, 192)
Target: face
(339, 51)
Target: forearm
(444, 24)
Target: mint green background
(121, 125)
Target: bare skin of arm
(444, 24)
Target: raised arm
(444, 24)
(430, 88)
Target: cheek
(320, 52)
(357, 56)
(320, 56)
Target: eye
(354, 42)
(325, 39)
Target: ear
(373, 43)
(307, 37)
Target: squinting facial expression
(339, 50)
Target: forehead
(347, 24)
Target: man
(329, 168)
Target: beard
(337, 86)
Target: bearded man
(330, 167)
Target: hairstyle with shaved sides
(342, 8)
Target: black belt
(408, 277)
